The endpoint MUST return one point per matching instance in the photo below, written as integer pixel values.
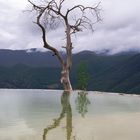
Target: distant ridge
(35, 69)
(32, 58)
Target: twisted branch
(51, 13)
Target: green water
(55, 115)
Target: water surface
(54, 115)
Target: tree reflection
(66, 112)
(82, 103)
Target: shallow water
(54, 115)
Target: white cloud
(119, 30)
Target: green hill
(111, 73)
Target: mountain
(27, 57)
(34, 69)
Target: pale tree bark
(65, 79)
(51, 13)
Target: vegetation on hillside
(115, 73)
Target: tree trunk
(65, 80)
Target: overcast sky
(118, 31)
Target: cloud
(118, 31)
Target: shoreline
(95, 92)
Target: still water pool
(54, 115)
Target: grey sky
(118, 31)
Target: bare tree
(52, 12)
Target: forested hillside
(111, 73)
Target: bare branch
(46, 45)
(84, 22)
(51, 14)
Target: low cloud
(119, 30)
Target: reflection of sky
(16, 131)
(28, 112)
(13, 105)
(108, 104)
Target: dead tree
(52, 12)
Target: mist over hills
(33, 69)
(27, 57)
